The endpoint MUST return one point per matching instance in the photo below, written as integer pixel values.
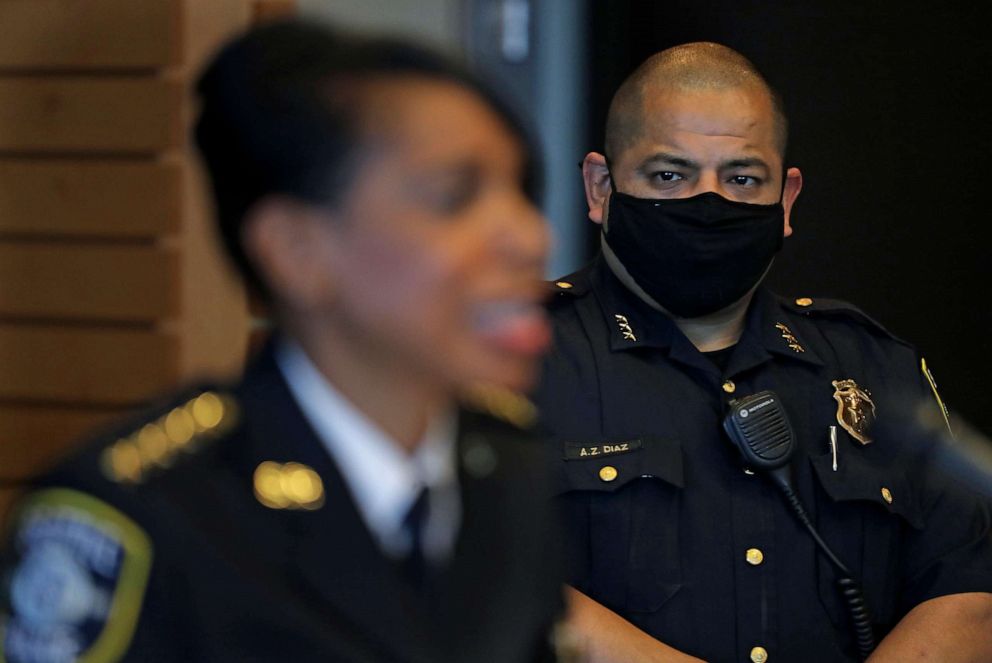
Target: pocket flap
(857, 478)
(607, 465)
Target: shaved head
(688, 67)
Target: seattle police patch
(76, 591)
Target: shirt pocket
(864, 514)
(621, 501)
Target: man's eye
(745, 180)
(666, 176)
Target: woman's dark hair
(275, 117)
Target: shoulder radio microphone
(760, 429)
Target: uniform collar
(768, 329)
(632, 323)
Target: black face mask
(697, 255)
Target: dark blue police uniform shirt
(669, 531)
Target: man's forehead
(735, 118)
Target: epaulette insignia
(288, 486)
(157, 444)
(502, 403)
(564, 285)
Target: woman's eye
(455, 194)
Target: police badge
(855, 409)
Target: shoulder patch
(835, 308)
(501, 403)
(159, 443)
(77, 589)
(933, 387)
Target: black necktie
(414, 565)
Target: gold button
(804, 301)
(608, 473)
(729, 386)
(759, 655)
(754, 556)
(564, 285)
(887, 495)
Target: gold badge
(855, 409)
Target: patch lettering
(76, 591)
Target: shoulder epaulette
(501, 403)
(564, 290)
(158, 442)
(835, 308)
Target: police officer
(367, 491)
(681, 549)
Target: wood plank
(87, 198)
(214, 317)
(129, 114)
(87, 281)
(85, 365)
(88, 34)
(32, 437)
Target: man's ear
(793, 185)
(284, 239)
(596, 177)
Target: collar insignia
(625, 329)
(789, 338)
(288, 486)
(855, 409)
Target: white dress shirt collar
(382, 477)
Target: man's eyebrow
(745, 162)
(667, 158)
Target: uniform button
(608, 473)
(729, 386)
(887, 495)
(804, 301)
(754, 556)
(564, 285)
(759, 655)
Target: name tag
(575, 451)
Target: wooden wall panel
(86, 281)
(32, 436)
(84, 197)
(88, 34)
(85, 365)
(109, 114)
(112, 287)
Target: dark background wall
(890, 131)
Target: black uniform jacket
(234, 538)
(669, 530)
